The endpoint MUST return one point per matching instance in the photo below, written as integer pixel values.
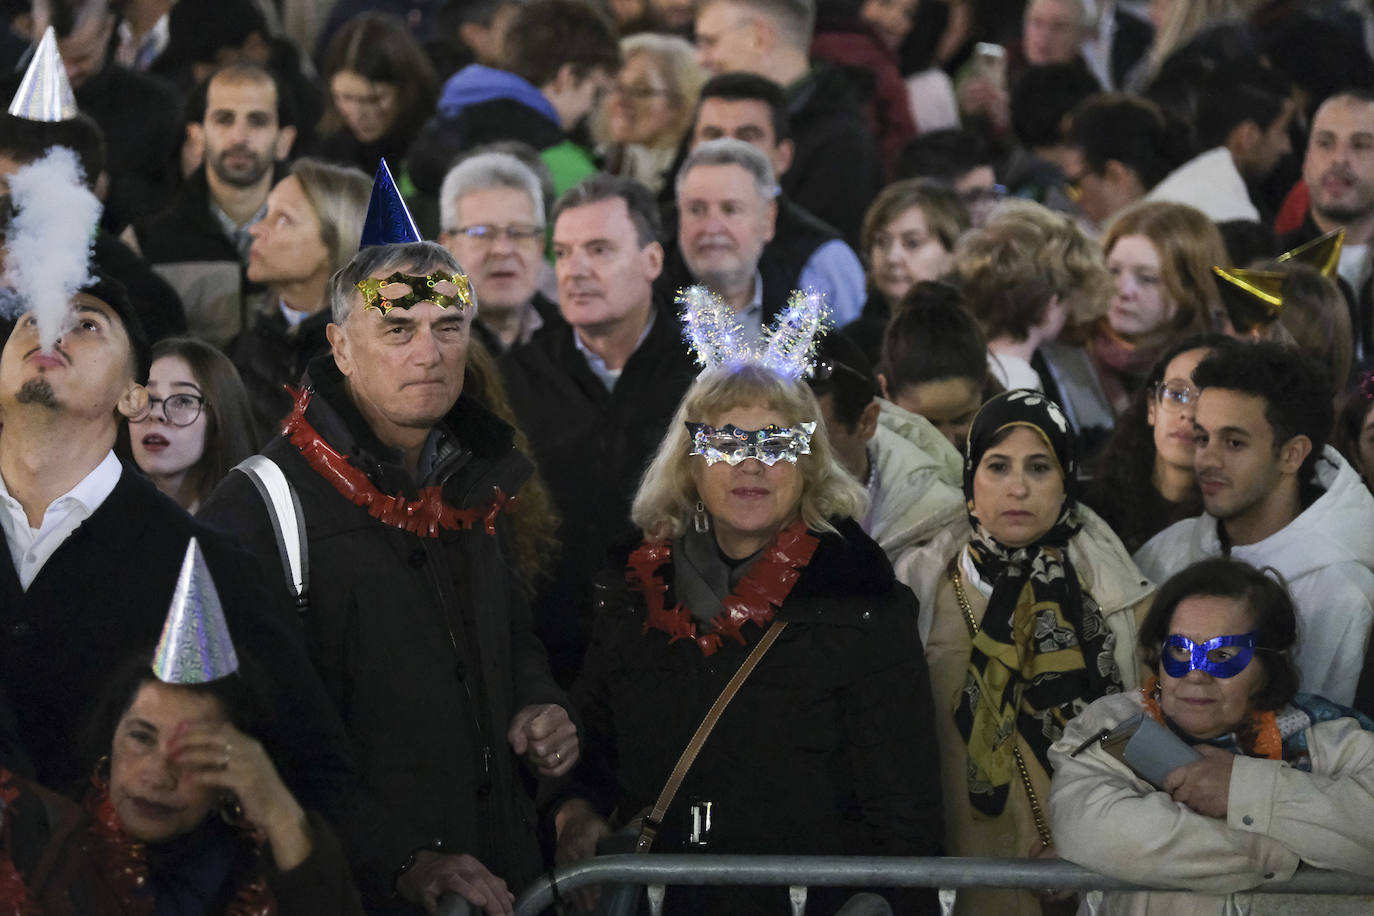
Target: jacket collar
(486, 442)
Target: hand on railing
(437, 875)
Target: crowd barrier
(656, 871)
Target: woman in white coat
(1279, 778)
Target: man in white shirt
(93, 553)
(1277, 497)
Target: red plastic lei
(423, 517)
(765, 587)
(14, 894)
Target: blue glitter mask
(732, 445)
(1223, 657)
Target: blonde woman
(649, 107)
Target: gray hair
(416, 258)
(729, 151)
(483, 172)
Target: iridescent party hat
(195, 646)
(388, 221)
(1253, 298)
(1322, 253)
(45, 94)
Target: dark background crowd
(1157, 216)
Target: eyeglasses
(486, 233)
(179, 409)
(1176, 394)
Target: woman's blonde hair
(668, 495)
(1189, 245)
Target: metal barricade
(797, 873)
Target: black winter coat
(827, 749)
(271, 355)
(592, 446)
(423, 644)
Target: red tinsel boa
(123, 863)
(423, 517)
(1259, 737)
(14, 894)
(763, 588)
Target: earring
(701, 522)
(100, 774)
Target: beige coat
(1108, 819)
(1105, 570)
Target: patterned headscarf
(1042, 650)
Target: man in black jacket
(415, 619)
(595, 398)
(93, 553)
(773, 39)
(200, 243)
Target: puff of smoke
(48, 243)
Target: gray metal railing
(797, 873)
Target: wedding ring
(557, 756)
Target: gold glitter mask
(403, 291)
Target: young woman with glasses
(1146, 480)
(199, 424)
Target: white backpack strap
(288, 522)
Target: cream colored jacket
(1109, 820)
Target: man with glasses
(595, 397)
(492, 212)
(94, 552)
(1278, 497)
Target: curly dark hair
(1126, 466)
(1270, 606)
(1297, 392)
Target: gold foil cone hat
(45, 94)
(1322, 253)
(195, 646)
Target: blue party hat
(45, 94)
(195, 646)
(388, 221)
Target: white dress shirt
(30, 547)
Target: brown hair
(1027, 254)
(943, 209)
(378, 48)
(231, 434)
(1189, 245)
(1316, 319)
(546, 34)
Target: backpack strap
(288, 523)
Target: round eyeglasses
(1176, 394)
(179, 409)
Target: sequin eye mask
(732, 445)
(1224, 656)
(403, 290)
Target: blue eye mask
(732, 445)
(1224, 656)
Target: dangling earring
(100, 775)
(701, 522)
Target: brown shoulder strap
(654, 819)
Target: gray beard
(37, 391)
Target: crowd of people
(472, 436)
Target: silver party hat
(45, 94)
(195, 646)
